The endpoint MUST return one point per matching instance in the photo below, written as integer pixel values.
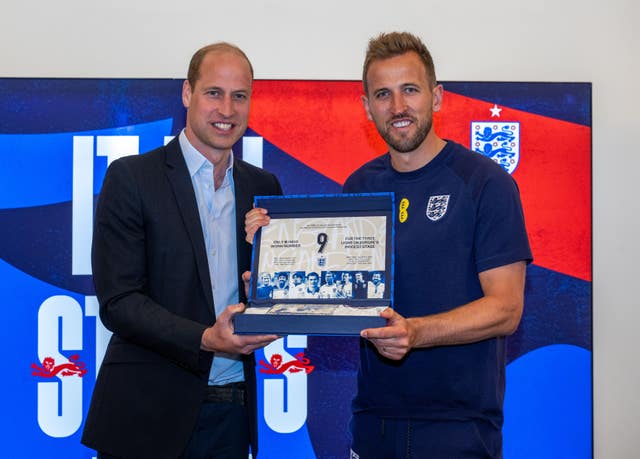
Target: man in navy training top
(431, 383)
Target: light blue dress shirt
(218, 219)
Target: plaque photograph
(323, 266)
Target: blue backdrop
(57, 137)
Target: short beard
(407, 145)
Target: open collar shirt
(218, 219)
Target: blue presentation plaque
(323, 265)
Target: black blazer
(152, 281)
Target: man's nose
(398, 103)
(226, 106)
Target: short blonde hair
(392, 44)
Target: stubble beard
(407, 144)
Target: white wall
(561, 40)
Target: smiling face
(218, 104)
(400, 101)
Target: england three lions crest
(499, 141)
(437, 207)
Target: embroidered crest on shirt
(437, 206)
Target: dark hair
(196, 60)
(392, 44)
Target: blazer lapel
(244, 199)
(178, 176)
(244, 203)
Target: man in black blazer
(168, 257)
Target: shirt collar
(194, 159)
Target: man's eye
(382, 94)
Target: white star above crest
(495, 111)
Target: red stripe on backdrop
(323, 124)
(554, 176)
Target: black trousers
(221, 432)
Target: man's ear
(438, 94)
(186, 94)
(365, 102)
